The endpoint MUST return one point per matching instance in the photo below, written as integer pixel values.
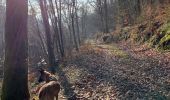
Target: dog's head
(42, 75)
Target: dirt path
(108, 72)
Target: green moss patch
(162, 38)
(165, 42)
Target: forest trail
(112, 71)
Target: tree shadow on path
(66, 85)
(133, 78)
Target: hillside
(153, 30)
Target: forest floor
(120, 71)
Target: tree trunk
(73, 23)
(78, 31)
(15, 83)
(106, 17)
(74, 34)
(60, 29)
(101, 14)
(50, 49)
(41, 39)
(77, 22)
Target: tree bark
(77, 22)
(60, 29)
(15, 83)
(106, 17)
(50, 49)
(73, 23)
(78, 31)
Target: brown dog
(50, 89)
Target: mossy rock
(165, 42)
(155, 40)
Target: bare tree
(73, 5)
(106, 16)
(60, 28)
(37, 30)
(83, 11)
(77, 22)
(50, 49)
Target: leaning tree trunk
(15, 83)
(51, 57)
